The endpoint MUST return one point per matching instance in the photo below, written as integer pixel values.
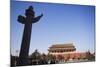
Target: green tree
(90, 56)
(35, 57)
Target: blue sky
(61, 23)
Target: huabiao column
(27, 20)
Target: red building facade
(66, 52)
